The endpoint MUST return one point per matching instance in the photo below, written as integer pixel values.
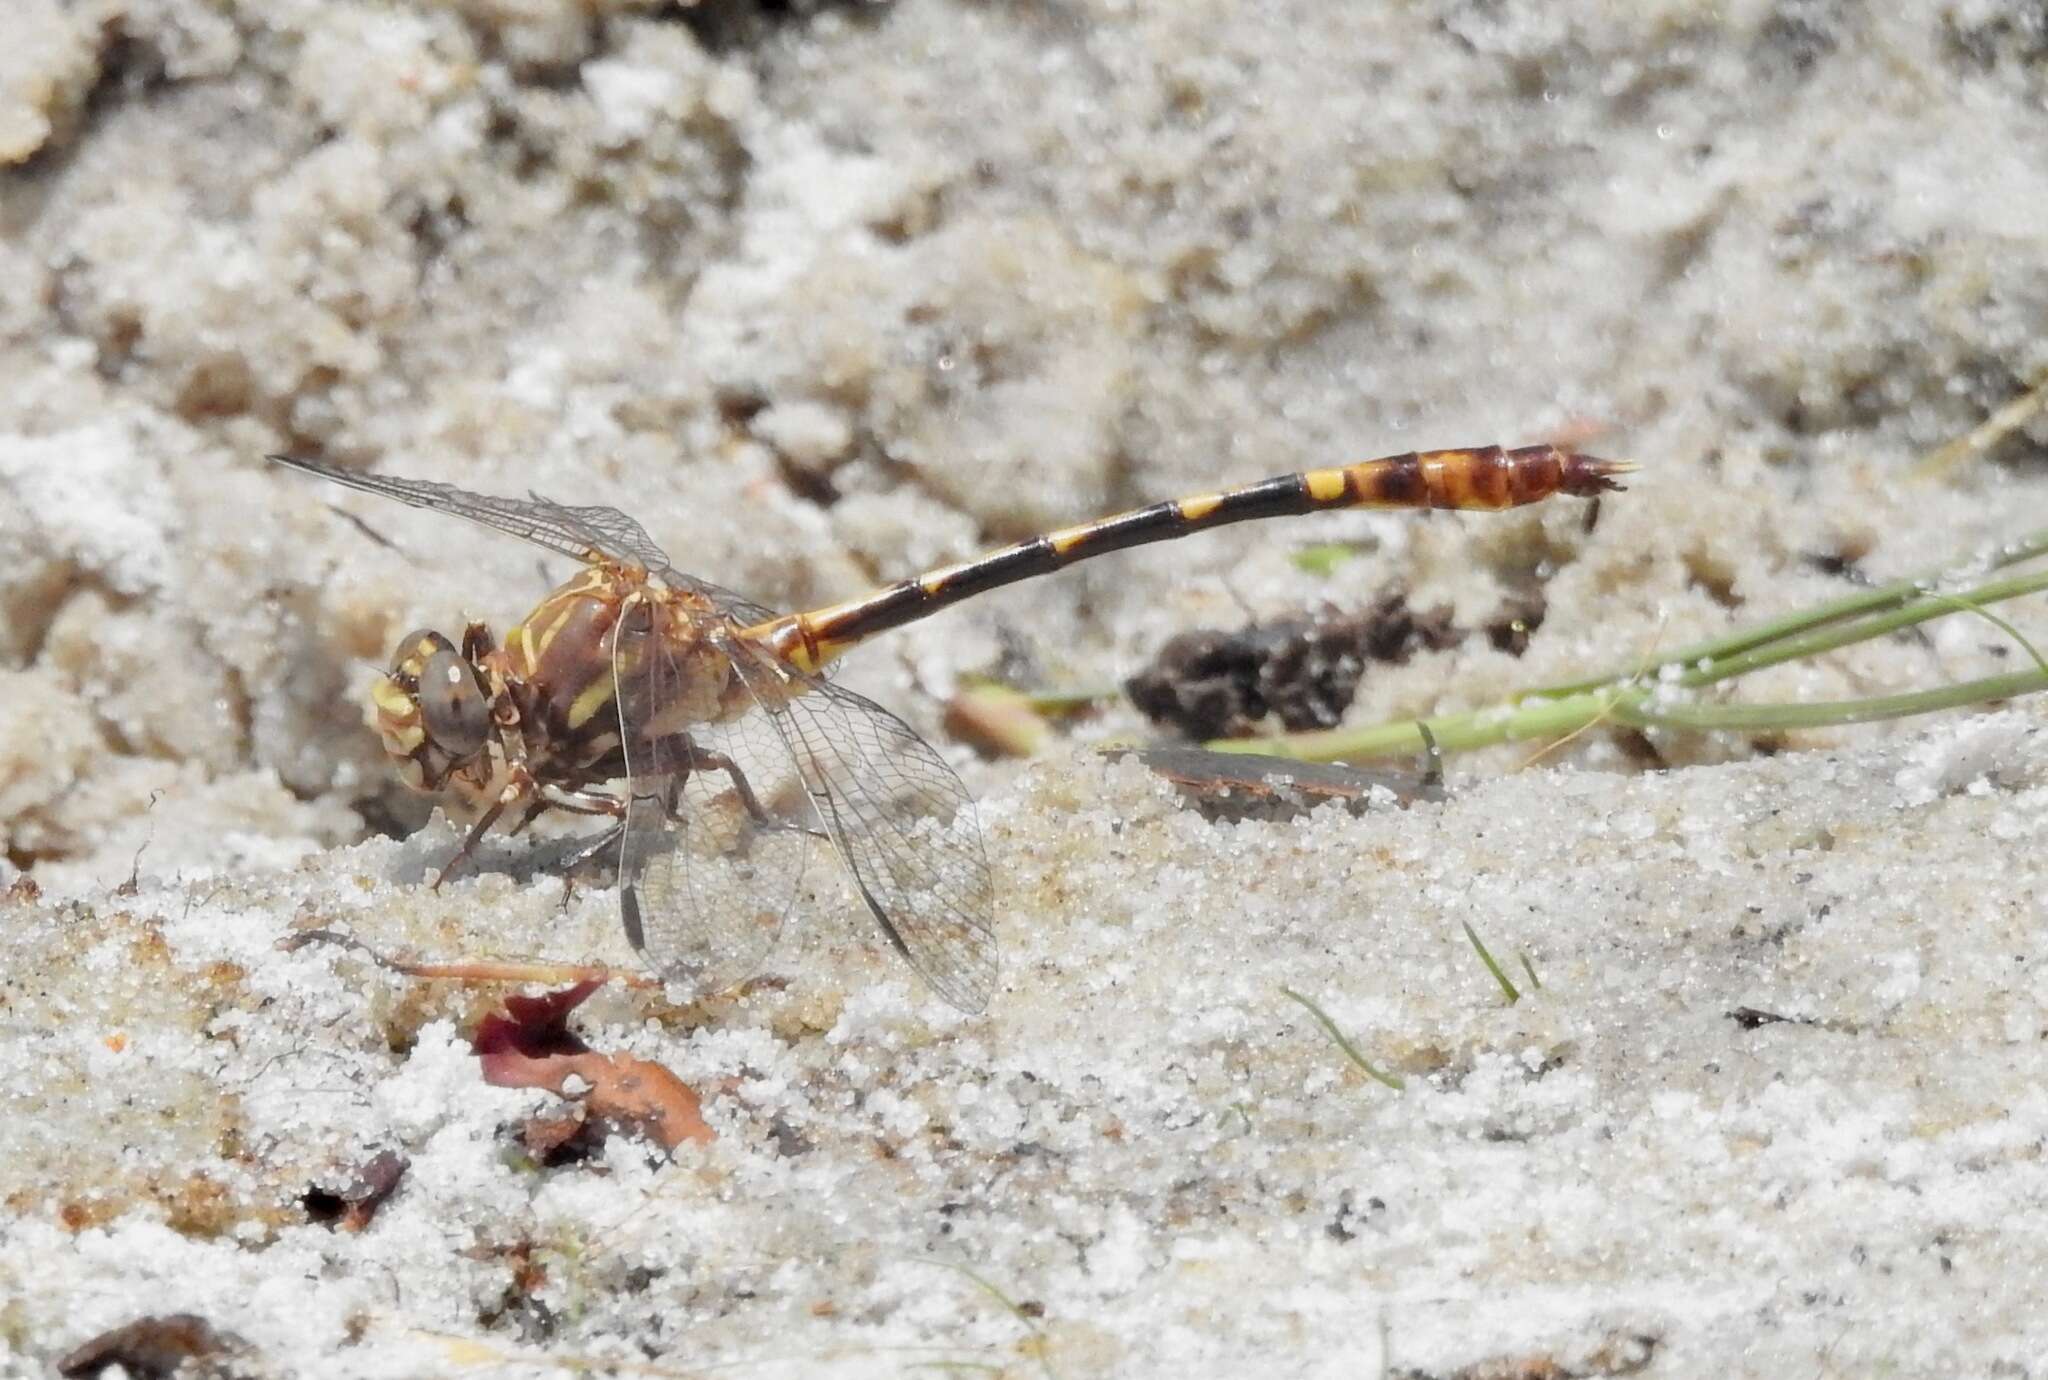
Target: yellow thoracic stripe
(517, 643)
(538, 640)
(595, 696)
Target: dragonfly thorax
(604, 668)
(610, 654)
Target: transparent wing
(740, 610)
(899, 817)
(579, 532)
(715, 839)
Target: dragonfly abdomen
(1486, 477)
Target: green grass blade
(1350, 1050)
(1763, 718)
(1924, 606)
(1507, 986)
(1011, 1306)
(1874, 600)
(1964, 605)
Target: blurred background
(827, 293)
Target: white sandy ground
(826, 293)
(1142, 1137)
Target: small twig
(1986, 434)
(134, 882)
(365, 528)
(478, 970)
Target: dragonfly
(706, 729)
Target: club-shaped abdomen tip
(1588, 475)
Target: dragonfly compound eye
(431, 712)
(453, 706)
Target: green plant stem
(1632, 705)
(1635, 700)
(1965, 606)
(1880, 597)
(1757, 717)
(1453, 732)
(1705, 671)
(1068, 701)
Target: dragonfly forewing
(582, 533)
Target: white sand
(967, 271)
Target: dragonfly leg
(603, 841)
(551, 797)
(704, 758)
(581, 802)
(535, 808)
(577, 802)
(591, 847)
(518, 787)
(477, 642)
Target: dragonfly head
(431, 710)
